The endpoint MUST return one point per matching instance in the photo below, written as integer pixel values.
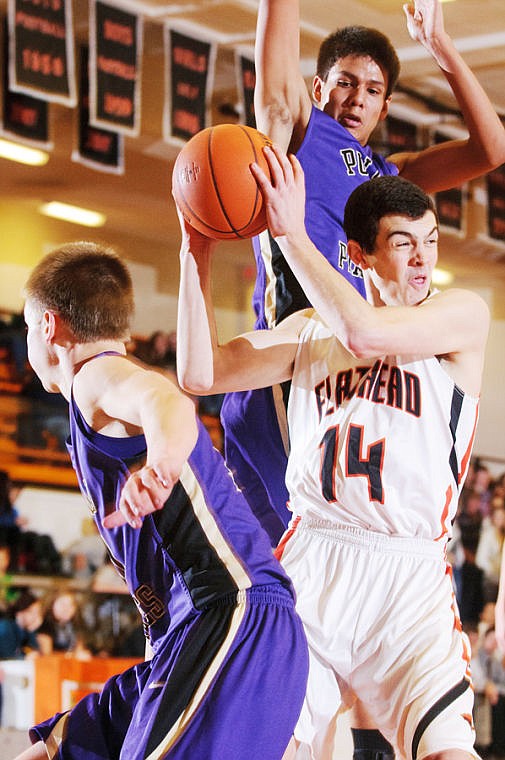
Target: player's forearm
(169, 423)
(347, 314)
(486, 145)
(486, 132)
(196, 326)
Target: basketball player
(357, 70)
(228, 672)
(382, 414)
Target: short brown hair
(359, 41)
(89, 286)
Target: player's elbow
(363, 342)
(198, 383)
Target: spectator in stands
(492, 660)
(469, 586)
(62, 629)
(469, 518)
(11, 522)
(18, 631)
(85, 555)
(490, 548)
(18, 627)
(8, 594)
(159, 350)
(482, 706)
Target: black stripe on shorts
(440, 705)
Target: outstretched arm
(281, 100)
(451, 163)
(252, 360)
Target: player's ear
(317, 86)
(385, 109)
(49, 326)
(357, 254)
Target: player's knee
(369, 744)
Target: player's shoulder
(471, 300)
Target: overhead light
(21, 153)
(441, 277)
(74, 214)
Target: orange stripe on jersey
(445, 512)
(279, 550)
(469, 719)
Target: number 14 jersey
(382, 444)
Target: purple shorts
(228, 685)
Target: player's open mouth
(419, 281)
(350, 121)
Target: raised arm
(451, 163)
(453, 324)
(252, 360)
(281, 100)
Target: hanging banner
(246, 81)
(400, 135)
(495, 182)
(41, 49)
(450, 204)
(115, 40)
(190, 75)
(97, 148)
(24, 116)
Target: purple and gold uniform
(254, 422)
(229, 667)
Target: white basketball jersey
(383, 444)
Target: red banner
(24, 116)
(246, 81)
(115, 49)
(97, 148)
(450, 203)
(41, 49)
(495, 182)
(190, 74)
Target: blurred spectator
(469, 518)
(9, 515)
(11, 522)
(469, 585)
(85, 555)
(62, 629)
(18, 627)
(159, 350)
(8, 594)
(493, 665)
(38, 554)
(489, 550)
(482, 706)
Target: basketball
(213, 185)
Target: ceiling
(140, 214)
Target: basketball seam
(233, 229)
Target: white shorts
(382, 626)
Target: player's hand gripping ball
(213, 185)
